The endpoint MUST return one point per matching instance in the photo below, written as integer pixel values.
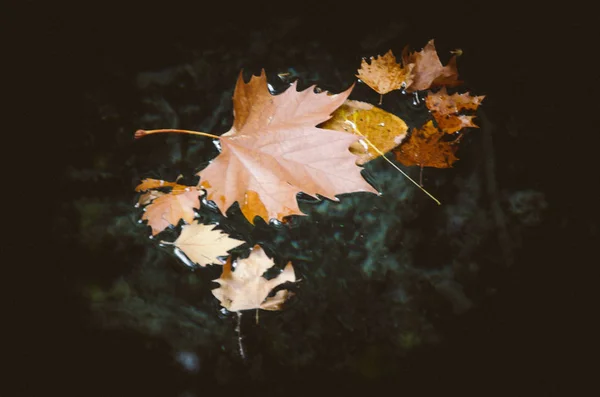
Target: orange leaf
(245, 288)
(443, 103)
(444, 109)
(150, 183)
(384, 74)
(428, 70)
(453, 123)
(426, 149)
(274, 151)
(166, 209)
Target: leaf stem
(141, 133)
(238, 329)
(392, 164)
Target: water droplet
(139, 221)
(382, 124)
(271, 89)
(162, 182)
(151, 237)
(186, 261)
(416, 97)
(137, 205)
(217, 144)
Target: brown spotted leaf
(443, 103)
(426, 148)
(445, 109)
(384, 74)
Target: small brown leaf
(445, 108)
(443, 103)
(426, 148)
(428, 70)
(245, 288)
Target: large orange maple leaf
(274, 151)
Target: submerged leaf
(246, 288)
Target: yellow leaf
(382, 129)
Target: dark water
(397, 294)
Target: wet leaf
(274, 151)
(383, 129)
(167, 209)
(445, 109)
(428, 70)
(384, 74)
(245, 288)
(426, 148)
(203, 244)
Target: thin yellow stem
(394, 165)
(141, 133)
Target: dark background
(534, 65)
